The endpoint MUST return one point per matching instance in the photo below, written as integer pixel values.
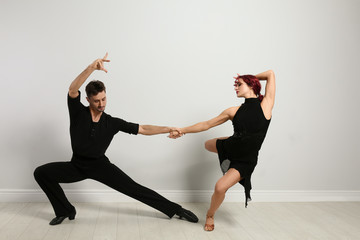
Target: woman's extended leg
(223, 184)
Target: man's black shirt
(91, 139)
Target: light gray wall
(172, 63)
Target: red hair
(252, 82)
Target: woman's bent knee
(207, 145)
(210, 145)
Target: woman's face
(242, 89)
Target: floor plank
(149, 226)
(20, 221)
(127, 222)
(39, 226)
(106, 224)
(85, 221)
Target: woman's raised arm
(268, 102)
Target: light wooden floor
(130, 221)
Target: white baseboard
(75, 195)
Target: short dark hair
(94, 87)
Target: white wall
(172, 63)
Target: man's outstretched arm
(98, 64)
(152, 130)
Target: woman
(238, 153)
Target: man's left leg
(110, 175)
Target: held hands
(98, 64)
(175, 133)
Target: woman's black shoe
(188, 215)
(59, 220)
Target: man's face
(98, 102)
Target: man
(91, 131)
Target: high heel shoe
(209, 227)
(58, 220)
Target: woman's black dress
(240, 151)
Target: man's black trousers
(50, 175)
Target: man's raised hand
(98, 64)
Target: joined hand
(175, 133)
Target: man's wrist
(91, 68)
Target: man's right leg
(49, 176)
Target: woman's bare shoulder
(231, 111)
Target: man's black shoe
(59, 220)
(188, 215)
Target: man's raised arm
(98, 64)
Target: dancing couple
(92, 130)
